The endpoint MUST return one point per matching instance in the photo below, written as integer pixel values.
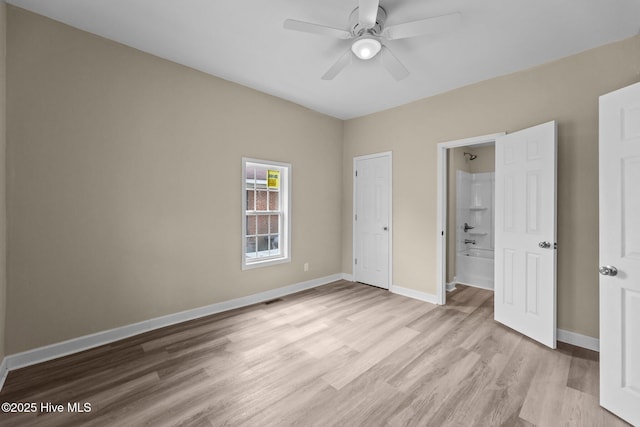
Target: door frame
(441, 223)
(389, 156)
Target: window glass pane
(274, 200)
(250, 172)
(275, 220)
(250, 248)
(261, 177)
(274, 241)
(263, 245)
(251, 224)
(261, 200)
(251, 196)
(263, 224)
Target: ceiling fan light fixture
(366, 47)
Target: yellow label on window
(273, 180)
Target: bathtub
(474, 267)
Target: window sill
(264, 263)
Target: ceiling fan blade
(367, 13)
(392, 64)
(308, 27)
(335, 69)
(422, 27)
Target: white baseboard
(412, 293)
(347, 277)
(478, 285)
(578, 340)
(451, 286)
(3, 372)
(75, 345)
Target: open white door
(525, 255)
(372, 219)
(620, 253)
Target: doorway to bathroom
(466, 213)
(523, 208)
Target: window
(266, 213)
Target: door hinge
(356, 174)
(356, 261)
(442, 232)
(356, 217)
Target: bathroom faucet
(473, 242)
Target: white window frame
(284, 241)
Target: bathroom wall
(486, 160)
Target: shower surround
(475, 229)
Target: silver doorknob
(608, 270)
(544, 245)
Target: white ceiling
(243, 41)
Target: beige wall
(567, 91)
(3, 145)
(124, 187)
(485, 162)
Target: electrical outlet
(306, 266)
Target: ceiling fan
(366, 28)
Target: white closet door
(372, 225)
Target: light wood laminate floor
(343, 354)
